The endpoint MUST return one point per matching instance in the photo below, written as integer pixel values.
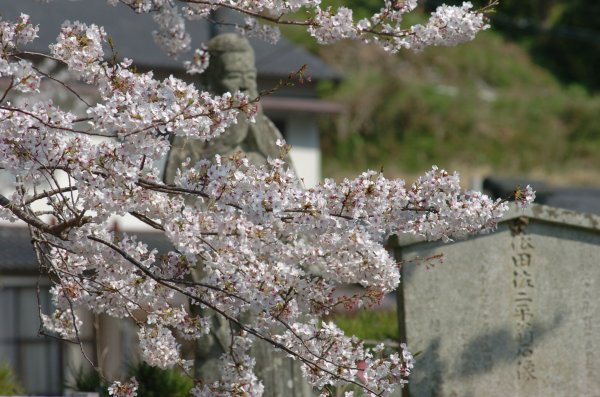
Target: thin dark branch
(50, 193)
(10, 86)
(25, 216)
(278, 20)
(147, 221)
(32, 220)
(39, 256)
(72, 91)
(49, 125)
(164, 281)
(232, 319)
(37, 54)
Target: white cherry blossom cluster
(23, 77)
(524, 197)
(199, 62)
(448, 25)
(341, 356)
(171, 35)
(252, 28)
(80, 47)
(238, 378)
(194, 11)
(62, 322)
(266, 253)
(127, 389)
(159, 347)
(331, 26)
(271, 249)
(16, 34)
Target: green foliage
(490, 105)
(571, 47)
(88, 381)
(153, 382)
(562, 35)
(480, 105)
(9, 385)
(372, 325)
(156, 382)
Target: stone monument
(232, 69)
(513, 313)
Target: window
(36, 359)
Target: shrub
(9, 385)
(156, 382)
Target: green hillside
(482, 107)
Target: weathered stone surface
(513, 313)
(280, 375)
(232, 69)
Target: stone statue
(231, 69)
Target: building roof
(132, 35)
(16, 252)
(302, 105)
(581, 199)
(18, 258)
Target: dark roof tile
(17, 255)
(581, 199)
(132, 36)
(16, 252)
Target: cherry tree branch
(230, 318)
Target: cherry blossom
(271, 252)
(127, 389)
(524, 197)
(199, 61)
(17, 34)
(252, 28)
(448, 25)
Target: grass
(371, 325)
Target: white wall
(303, 134)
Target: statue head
(231, 66)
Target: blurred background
(519, 101)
